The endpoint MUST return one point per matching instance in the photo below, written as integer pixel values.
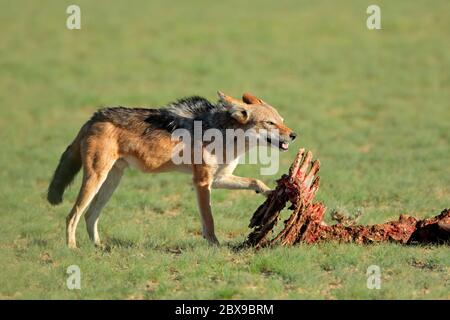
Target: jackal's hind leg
(104, 194)
(96, 169)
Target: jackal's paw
(266, 193)
(263, 189)
(212, 240)
(72, 245)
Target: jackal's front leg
(202, 182)
(236, 182)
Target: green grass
(372, 105)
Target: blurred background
(373, 105)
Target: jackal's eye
(270, 123)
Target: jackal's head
(252, 113)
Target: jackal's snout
(286, 136)
(293, 135)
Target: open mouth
(284, 146)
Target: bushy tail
(68, 167)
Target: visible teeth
(285, 145)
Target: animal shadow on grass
(40, 242)
(174, 249)
(237, 246)
(115, 242)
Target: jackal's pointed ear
(240, 113)
(251, 99)
(236, 108)
(227, 100)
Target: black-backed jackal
(115, 138)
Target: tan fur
(106, 150)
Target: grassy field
(372, 105)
